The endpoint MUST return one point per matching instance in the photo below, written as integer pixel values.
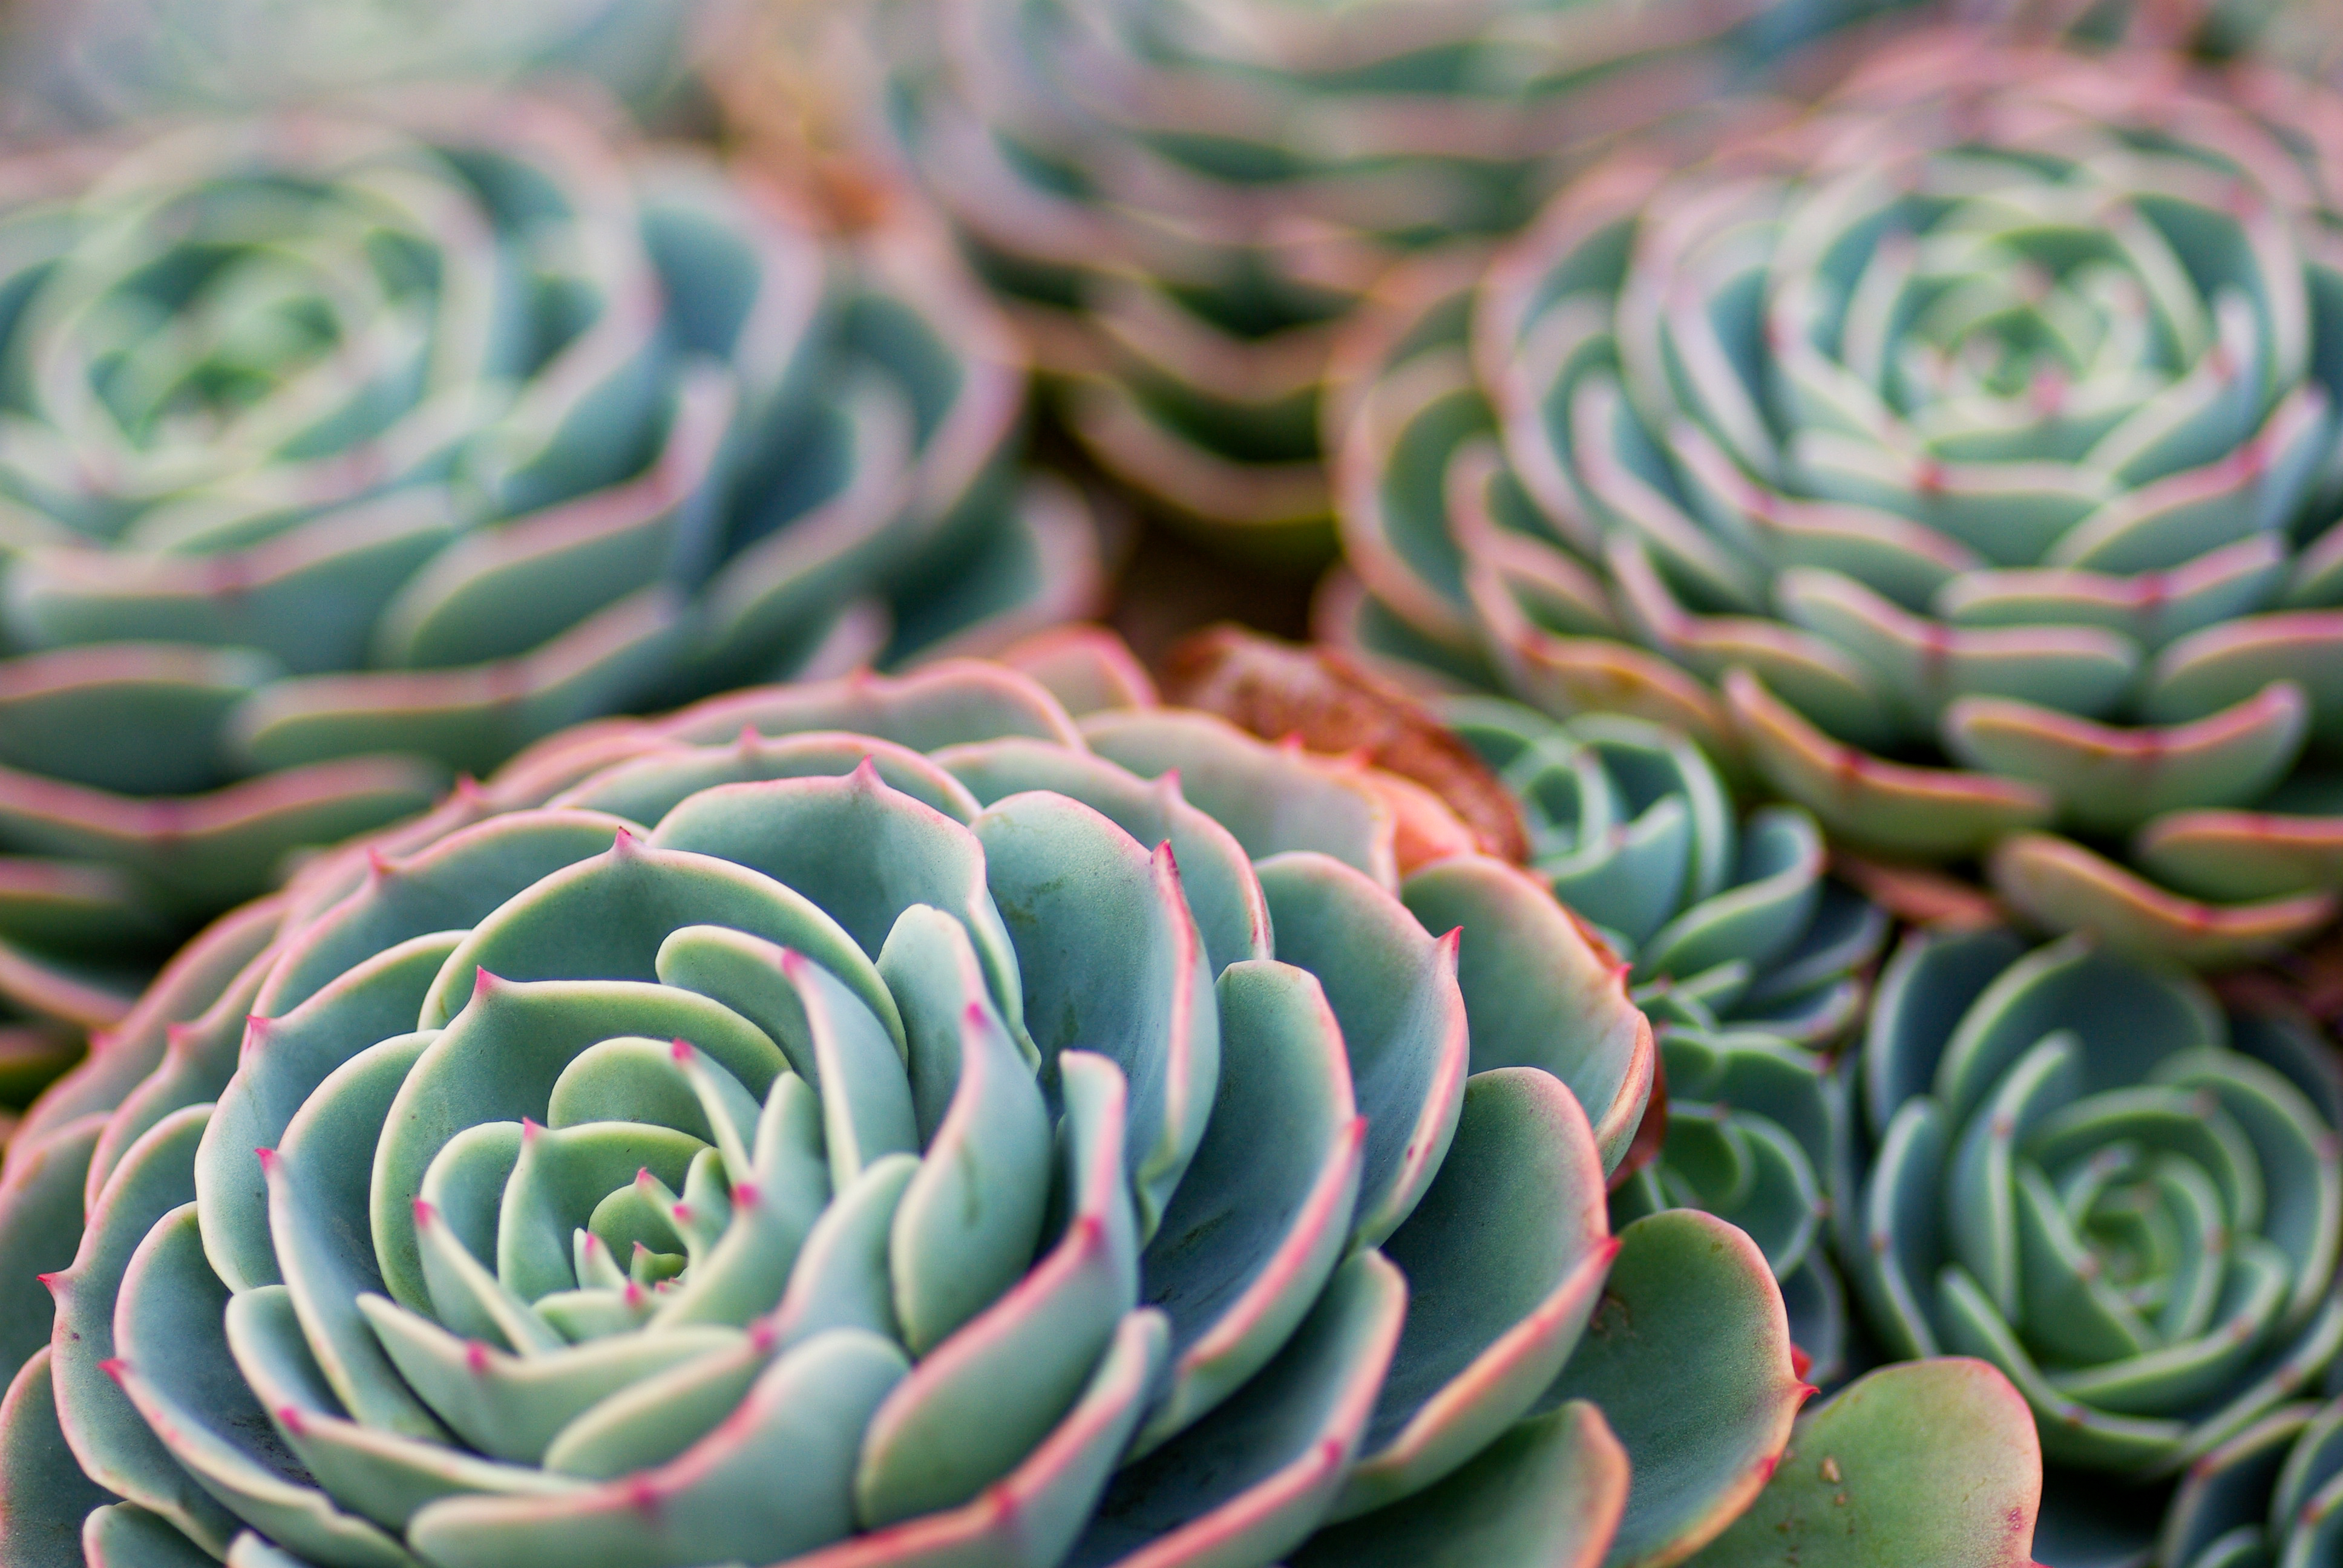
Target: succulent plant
(1184, 199)
(95, 62)
(1966, 450)
(2081, 1168)
(346, 449)
(1729, 923)
(1749, 960)
(834, 1072)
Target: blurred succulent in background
(2269, 1494)
(1184, 198)
(2081, 1168)
(344, 450)
(2212, 29)
(87, 63)
(1750, 960)
(1975, 437)
(656, 1165)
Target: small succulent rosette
(1751, 961)
(1183, 200)
(881, 1121)
(2085, 1170)
(344, 449)
(1962, 455)
(98, 62)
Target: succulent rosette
(1964, 450)
(1185, 200)
(880, 1121)
(1729, 921)
(343, 450)
(2086, 1169)
(1749, 960)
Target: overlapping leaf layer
(2086, 1171)
(1751, 961)
(881, 1122)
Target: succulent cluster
(1840, 639)
(344, 450)
(1185, 198)
(1965, 449)
(1751, 962)
(835, 1073)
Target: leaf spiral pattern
(2085, 1170)
(347, 448)
(1964, 450)
(819, 1128)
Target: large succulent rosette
(345, 450)
(1966, 450)
(2086, 1169)
(881, 1122)
(1184, 199)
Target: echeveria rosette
(1183, 201)
(1966, 449)
(2082, 1169)
(1750, 960)
(346, 449)
(1319, 1234)
(1729, 921)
